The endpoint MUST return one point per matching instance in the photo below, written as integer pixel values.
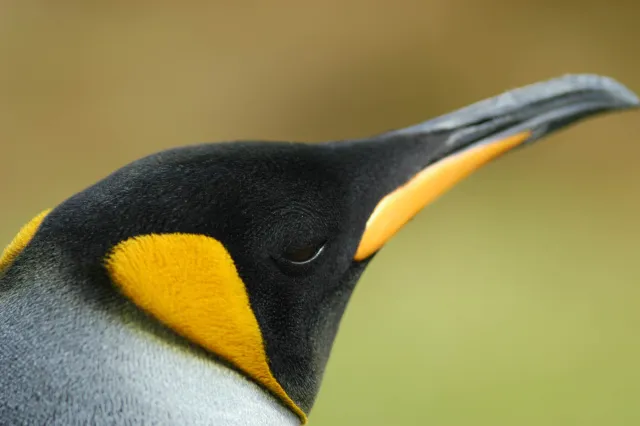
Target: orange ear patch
(21, 240)
(190, 284)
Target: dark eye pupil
(303, 254)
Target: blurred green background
(512, 300)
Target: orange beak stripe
(401, 205)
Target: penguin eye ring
(303, 255)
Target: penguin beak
(456, 144)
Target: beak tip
(622, 95)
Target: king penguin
(204, 285)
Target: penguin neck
(134, 363)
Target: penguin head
(252, 249)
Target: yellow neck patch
(190, 283)
(21, 240)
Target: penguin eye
(303, 255)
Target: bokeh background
(512, 300)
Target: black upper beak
(539, 108)
(418, 163)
